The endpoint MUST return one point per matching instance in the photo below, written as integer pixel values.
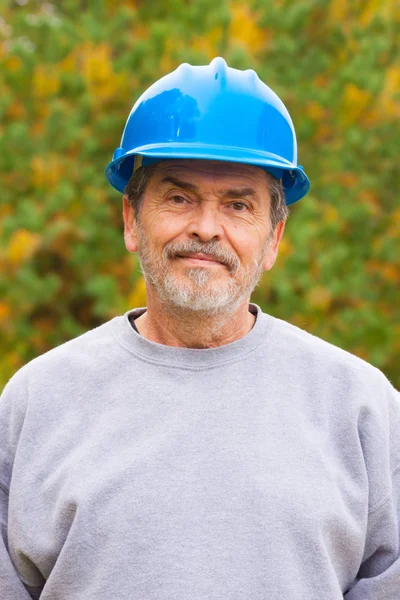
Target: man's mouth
(200, 258)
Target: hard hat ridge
(219, 68)
(211, 112)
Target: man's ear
(272, 250)
(130, 228)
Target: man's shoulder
(81, 353)
(302, 349)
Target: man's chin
(197, 300)
(204, 308)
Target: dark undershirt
(132, 322)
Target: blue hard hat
(211, 112)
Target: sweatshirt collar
(192, 357)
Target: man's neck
(193, 329)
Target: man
(199, 448)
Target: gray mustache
(212, 249)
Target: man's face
(204, 236)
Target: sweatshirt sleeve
(379, 574)
(11, 420)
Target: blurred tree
(69, 74)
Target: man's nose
(206, 222)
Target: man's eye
(239, 206)
(178, 199)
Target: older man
(199, 448)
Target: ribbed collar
(191, 358)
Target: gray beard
(201, 290)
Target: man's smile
(200, 259)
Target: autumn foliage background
(70, 72)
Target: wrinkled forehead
(209, 171)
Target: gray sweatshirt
(264, 469)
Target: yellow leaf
(319, 297)
(244, 30)
(361, 352)
(96, 65)
(68, 64)
(387, 271)
(331, 214)
(4, 312)
(141, 31)
(45, 81)
(46, 171)
(368, 11)
(324, 132)
(348, 179)
(65, 235)
(390, 105)
(315, 111)
(338, 10)
(14, 63)
(321, 80)
(285, 248)
(22, 246)
(386, 9)
(138, 296)
(16, 111)
(396, 216)
(208, 44)
(391, 273)
(37, 128)
(371, 199)
(42, 111)
(354, 102)
(372, 116)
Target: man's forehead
(210, 168)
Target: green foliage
(69, 74)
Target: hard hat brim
(295, 182)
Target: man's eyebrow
(179, 183)
(236, 193)
(233, 193)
